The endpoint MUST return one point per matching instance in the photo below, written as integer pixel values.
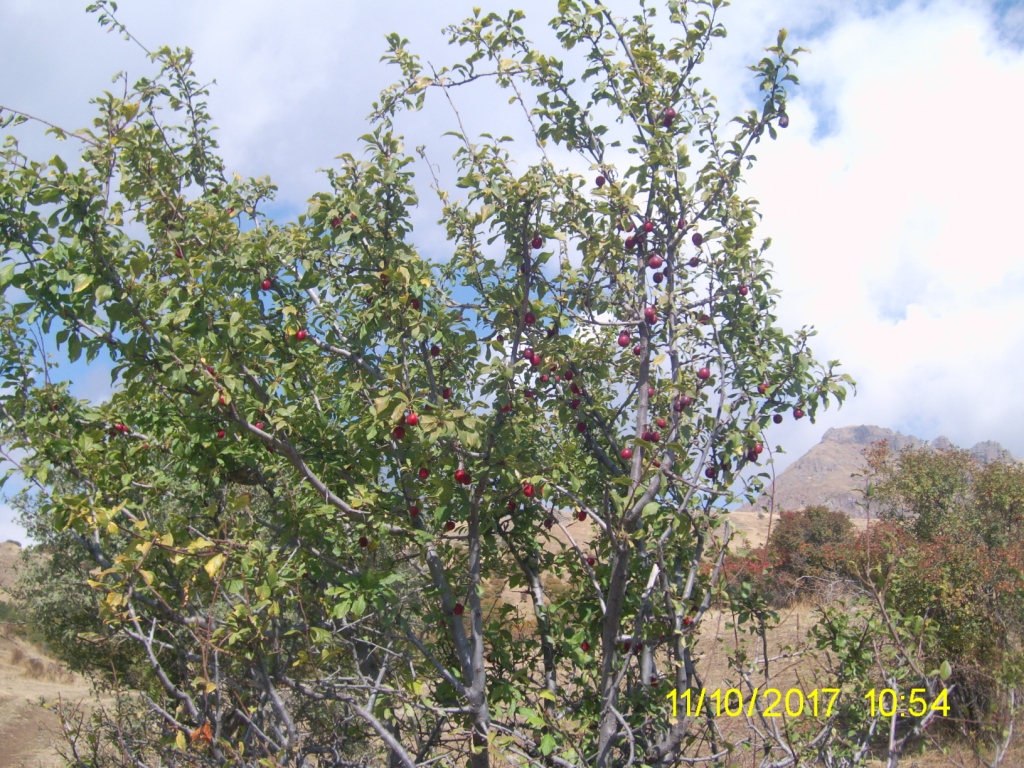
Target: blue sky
(890, 200)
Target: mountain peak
(828, 474)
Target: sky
(889, 199)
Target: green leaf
(81, 283)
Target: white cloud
(10, 529)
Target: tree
(804, 541)
(940, 605)
(328, 454)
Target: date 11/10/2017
(796, 703)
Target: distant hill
(10, 557)
(823, 474)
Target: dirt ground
(28, 731)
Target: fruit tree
(333, 464)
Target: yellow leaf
(147, 576)
(213, 565)
(179, 740)
(210, 686)
(167, 540)
(548, 695)
(144, 547)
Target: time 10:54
(886, 702)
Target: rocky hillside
(825, 474)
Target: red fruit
(435, 350)
(209, 369)
(528, 394)
(697, 238)
(584, 646)
(450, 525)
(574, 389)
(265, 285)
(414, 511)
(549, 523)
(258, 425)
(687, 621)
(637, 350)
(335, 222)
(798, 414)
(301, 335)
(446, 393)
(655, 262)
(600, 181)
(650, 391)
(528, 353)
(364, 542)
(655, 437)
(121, 428)
(412, 419)
(574, 403)
(591, 561)
(752, 455)
(528, 491)
(703, 373)
(399, 433)
(762, 387)
(626, 454)
(506, 407)
(648, 226)
(623, 339)
(651, 315)
(537, 242)
(462, 476)
(500, 339)
(709, 473)
(662, 423)
(682, 224)
(783, 120)
(681, 403)
(657, 277)
(220, 433)
(705, 320)
(536, 360)
(530, 318)
(694, 261)
(759, 448)
(424, 473)
(414, 303)
(670, 114)
(511, 506)
(777, 418)
(568, 375)
(744, 290)
(626, 647)
(581, 515)
(630, 243)
(544, 378)
(657, 464)
(581, 426)
(458, 608)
